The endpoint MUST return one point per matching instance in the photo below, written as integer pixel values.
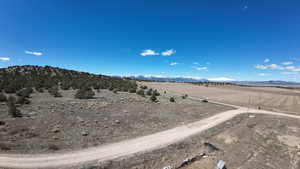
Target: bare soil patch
(61, 124)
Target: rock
(251, 116)
(32, 113)
(80, 119)
(117, 121)
(84, 133)
(125, 111)
(55, 138)
(55, 130)
(2, 123)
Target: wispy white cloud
(271, 66)
(148, 52)
(293, 68)
(267, 60)
(173, 63)
(287, 63)
(201, 68)
(289, 73)
(263, 67)
(34, 53)
(223, 79)
(195, 63)
(4, 59)
(264, 74)
(168, 52)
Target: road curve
(126, 147)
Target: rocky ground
(60, 124)
(247, 141)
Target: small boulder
(84, 133)
(55, 130)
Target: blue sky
(234, 39)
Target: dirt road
(124, 148)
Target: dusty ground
(60, 124)
(248, 141)
(269, 98)
(259, 142)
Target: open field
(269, 98)
(62, 124)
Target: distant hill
(168, 79)
(269, 83)
(17, 77)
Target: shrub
(204, 100)
(156, 93)
(116, 91)
(22, 100)
(54, 91)
(172, 99)
(149, 92)
(3, 97)
(184, 96)
(85, 93)
(153, 98)
(65, 86)
(132, 91)
(25, 92)
(40, 90)
(144, 87)
(141, 92)
(9, 89)
(12, 109)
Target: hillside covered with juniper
(15, 78)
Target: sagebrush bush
(149, 92)
(12, 109)
(54, 91)
(3, 98)
(85, 93)
(144, 87)
(153, 98)
(132, 91)
(40, 90)
(184, 96)
(25, 92)
(22, 100)
(156, 93)
(172, 99)
(141, 92)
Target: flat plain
(268, 98)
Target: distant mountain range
(191, 79)
(168, 79)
